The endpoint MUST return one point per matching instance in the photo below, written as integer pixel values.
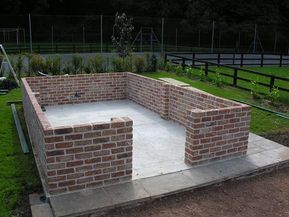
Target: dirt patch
(280, 137)
(266, 195)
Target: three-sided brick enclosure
(89, 155)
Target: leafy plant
(169, 67)
(139, 63)
(36, 63)
(77, 63)
(122, 34)
(179, 70)
(254, 90)
(202, 74)
(9, 83)
(218, 79)
(96, 64)
(67, 68)
(150, 63)
(189, 72)
(273, 95)
(120, 64)
(161, 64)
(19, 65)
(53, 65)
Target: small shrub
(169, 67)
(67, 68)
(96, 64)
(139, 64)
(189, 72)
(161, 64)
(273, 95)
(201, 74)
(254, 90)
(77, 63)
(218, 79)
(179, 70)
(150, 63)
(19, 65)
(36, 64)
(120, 64)
(53, 65)
(9, 83)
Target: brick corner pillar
(216, 134)
(165, 98)
(89, 155)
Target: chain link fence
(69, 34)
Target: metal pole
(4, 36)
(17, 36)
(213, 35)
(24, 37)
(275, 42)
(83, 36)
(52, 37)
(101, 33)
(199, 38)
(141, 40)
(176, 39)
(30, 33)
(162, 43)
(255, 38)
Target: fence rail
(199, 63)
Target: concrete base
(264, 156)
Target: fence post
(213, 35)
(166, 57)
(206, 69)
(235, 77)
(183, 63)
(233, 59)
(193, 59)
(101, 33)
(272, 81)
(262, 60)
(242, 58)
(281, 60)
(219, 59)
(30, 33)
(162, 39)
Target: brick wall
(89, 155)
(150, 93)
(77, 157)
(91, 88)
(216, 134)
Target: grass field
(18, 174)
(277, 71)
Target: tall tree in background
(122, 34)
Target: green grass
(277, 71)
(18, 174)
(261, 122)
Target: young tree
(121, 37)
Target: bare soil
(280, 137)
(264, 195)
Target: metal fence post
(162, 40)
(272, 81)
(30, 33)
(242, 59)
(213, 35)
(281, 60)
(262, 60)
(101, 33)
(235, 77)
(255, 38)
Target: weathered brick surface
(92, 155)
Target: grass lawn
(18, 173)
(261, 122)
(277, 71)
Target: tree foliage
(122, 34)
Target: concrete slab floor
(158, 144)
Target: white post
(162, 42)
(213, 35)
(101, 33)
(255, 39)
(30, 34)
